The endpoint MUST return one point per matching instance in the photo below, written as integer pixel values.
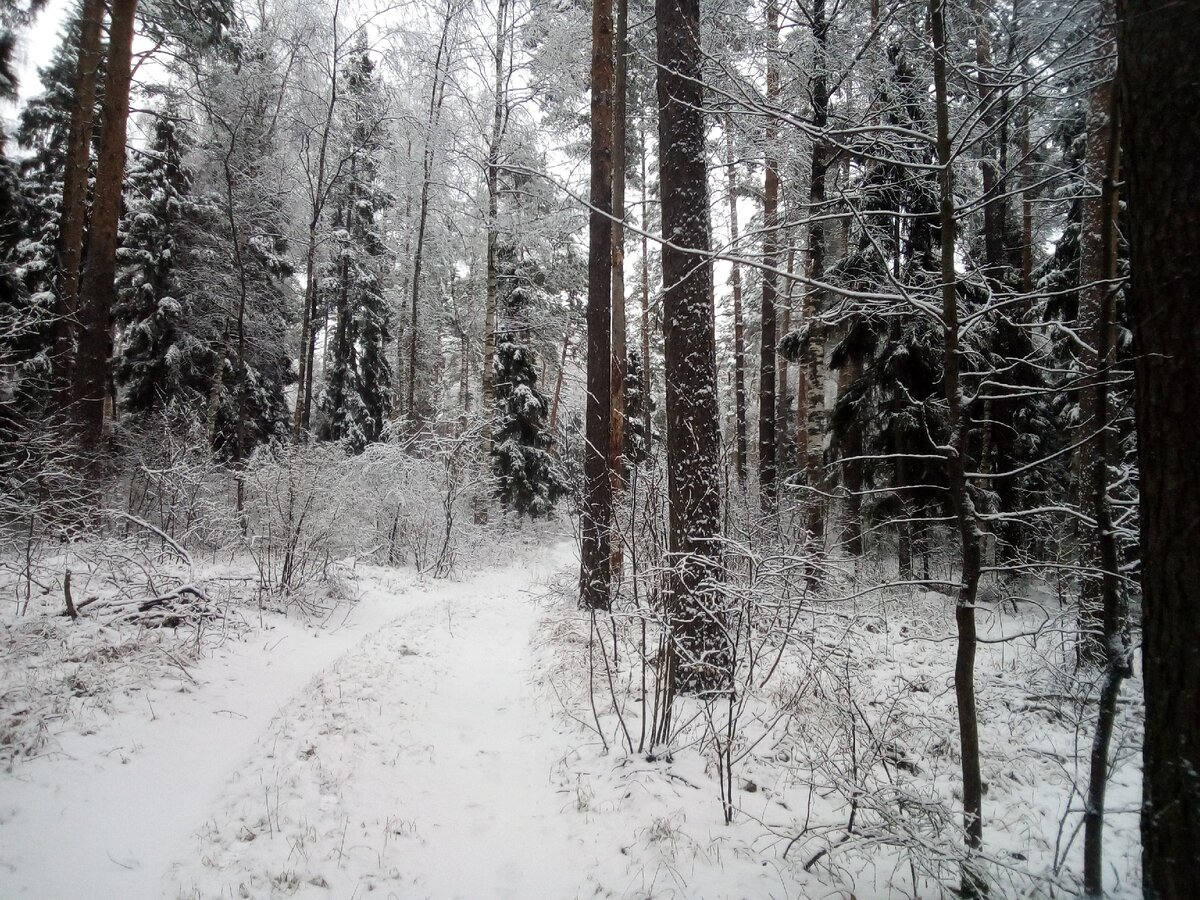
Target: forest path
(420, 763)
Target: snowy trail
(419, 763)
(390, 751)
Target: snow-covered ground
(429, 740)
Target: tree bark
(1160, 90)
(596, 519)
(301, 415)
(969, 530)
(73, 217)
(1113, 615)
(699, 660)
(97, 287)
(814, 410)
(441, 68)
(620, 351)
(1093, 254)
(767, 487)
(741, 451)
(491, 298)
(647, 380)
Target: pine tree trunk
(596, 519)
(487, 376)
(1090, 650)
(558, 379)
(699, 657)
(783, 401)
(437, 92)
(739, 328)
(1160, 83)
(767, 488)
(73, 216)
(302, 414)
(97, 286)
(620, 352)
(1112, 612)
(969, 526)
(647, 381)
(814, 411)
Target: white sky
(34, 47)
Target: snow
(430, 739)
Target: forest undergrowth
(834, 756)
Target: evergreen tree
(527, 475)
(637, 441)
(358, 396)
(160, 363)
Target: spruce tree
(35, 186)
(527, 476)
(637, 404)
(358, 396)
(159, 362)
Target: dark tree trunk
(619, 349)
(814, 407)
(596, 520)
(700, 657)
(1093, 255)
(73, 218)
(739, 328)
(647, 380)
(969, 526)
(1160, 84)
(487, 375)
(767, 488)
(97, 286)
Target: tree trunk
(815, 374)
(97, 287)
(491, 299)
(969, 529)
(558, 380)
(699, 658)
(596, 520)
(739, 329)
(319, 192)
(73, 217)
(767, 488)
(647, 381)
(441, 67)
(1113, 615)
(1093, 253)
(1160, 82)
(619, 350)
(782, 397)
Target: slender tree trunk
(73, 217)
(969, 526)
(437, 93)
(1113, 615)
(1159, 80)
(319, 192)
(491, 300)
(993, 232)
(815, 425)
(741, 451)
(97, 286)
(558, 379)
(1093, 254)
(597, 513)
(620, 352)
(767, 487)
(782, 395)
(699, 658)
(647, 380)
